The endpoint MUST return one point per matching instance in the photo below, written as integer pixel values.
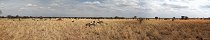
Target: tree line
(116, 17)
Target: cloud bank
(106, 8)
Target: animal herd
(92, 23)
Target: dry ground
(28, 29)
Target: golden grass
(116, 29)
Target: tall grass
(115, 29)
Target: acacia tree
(156, 18)
(17, 16)
(9, 16)
(116, 17)
(134, 17)
(184, 17)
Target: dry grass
(28, 29)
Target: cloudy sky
(106, 8)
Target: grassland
(114, 29)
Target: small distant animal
(45, 19)
(34, 19)
(90, 24)
(59, 19)
(100, 22)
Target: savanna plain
(110, 29)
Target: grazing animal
(90, 24)
(34, 19)
(102, 23)
(93, 23)
(59, 19)
(147, 18)
(99, 22)
(45, 19)
(19, 19)
(166, 19)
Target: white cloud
(128, 8)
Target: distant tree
(116, 17)
(9, 16)
(17, 16)
(184, 17)
(156, 18)
(134, 17)
(41, 17)
(30, 16)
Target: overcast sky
(107, 8)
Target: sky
(106, 8)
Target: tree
(116, 17)
(184, 17)
(9, 16)
(134, 17)
(17, 16)
(41, 17)
(156, 18)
